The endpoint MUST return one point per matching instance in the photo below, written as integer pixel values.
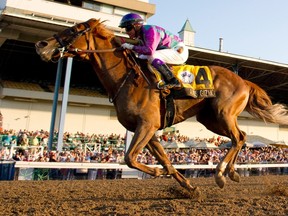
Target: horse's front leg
(140, 139)
(157, 150)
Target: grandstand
(27, 83)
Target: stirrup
(161, 85)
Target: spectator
(24, 141)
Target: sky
(252, 28)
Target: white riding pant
(170, 56)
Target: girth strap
(169, 108)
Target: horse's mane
(101, 30)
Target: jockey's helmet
(130, 19)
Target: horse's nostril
(41, 44)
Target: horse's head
(71, 41)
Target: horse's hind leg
(221, 118)
(230, 169)
(226, 165)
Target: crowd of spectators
(113, 145)
(111, 148)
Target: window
(104, 8)
(91, 5)
(107, 9)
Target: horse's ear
(104, 21)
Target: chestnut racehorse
(139, 103)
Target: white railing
(93, 165)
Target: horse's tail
(260, 106)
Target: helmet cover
(130, 19)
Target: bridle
(73, 34)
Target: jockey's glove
(127, 46)
(141, 56)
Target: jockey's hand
(141, 56)
(127, 46)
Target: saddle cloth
(196, 80)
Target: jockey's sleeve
(151, 38)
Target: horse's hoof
(220, 181)
(196, 193)
(157, 172)
(234, 176)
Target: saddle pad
(196, 78)
(197, 81)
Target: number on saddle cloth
(196, 79)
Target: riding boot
(170, 80)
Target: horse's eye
(73, 30)
(69, 31)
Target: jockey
(159, 46)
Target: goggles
(129, 28)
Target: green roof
(187, 27)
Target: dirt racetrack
(257, 195)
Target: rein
(66, 48)
(111, 100)
(94, 51)
(134, 67)
(134, 64)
